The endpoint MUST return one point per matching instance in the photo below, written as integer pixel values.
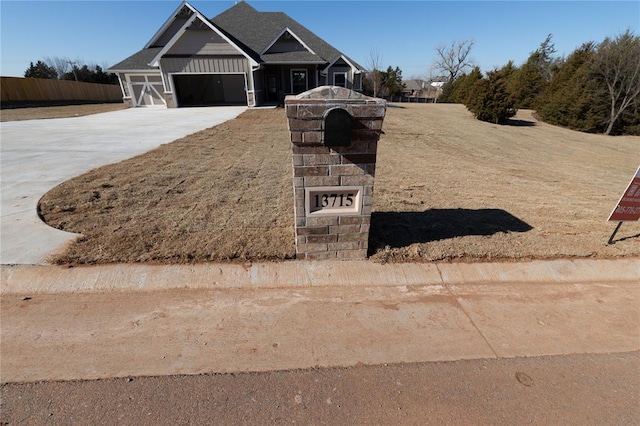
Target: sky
(405, 33)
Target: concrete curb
(28, 279)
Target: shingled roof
(138, 61)
(265, 27)
(253, 32)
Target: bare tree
(374, 63)
(64, 65)
(618, 63)
(60, 64)
(453, 59)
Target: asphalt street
(581, 389)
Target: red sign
(628, 208)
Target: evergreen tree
(490, 100)
(41, 70)
(89, 75)
(58, 68)
(597, 89)
(574, 98)
(392, 82)
(458, 91)
(526, 85)
(629, 121)
(532, 79)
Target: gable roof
(181, 14)
(251, 40)
(181, 31)
(286, 33)
(266, 27)
(345, 60)
(416, 85)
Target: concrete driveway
(37, 155)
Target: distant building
(423, 88)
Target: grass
(448, 187)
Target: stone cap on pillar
(326, 97)
(307, 111)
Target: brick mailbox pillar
(334, 137)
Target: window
(299, 81)
(340, 79)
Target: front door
(272, 88)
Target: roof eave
(174, 39)
(178, 34)
(355, 69)
(168, 22)
(125, 70)
(294, 62)
(290, 31)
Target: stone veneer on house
(341, 235)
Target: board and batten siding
(340, 69)
(205, 65)
(202, 42)
(169, 32)
(208, 65)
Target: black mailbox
(337, 127)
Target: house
(423, 89)
(414, 88)
(240, 57)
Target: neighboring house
(435, 87)
(414, 88)
(423, 88)
(240, 57)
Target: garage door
(210, 89)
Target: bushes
(531, 80)
(490, 100)
(458, 91)
(571, 99)
(596, 89)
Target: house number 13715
(333, 200)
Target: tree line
(58, 68)
(595, 89)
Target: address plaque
(333, 200)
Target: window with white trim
(340, 79)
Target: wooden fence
(23, 91)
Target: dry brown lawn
(19, 114)
(447, 187)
